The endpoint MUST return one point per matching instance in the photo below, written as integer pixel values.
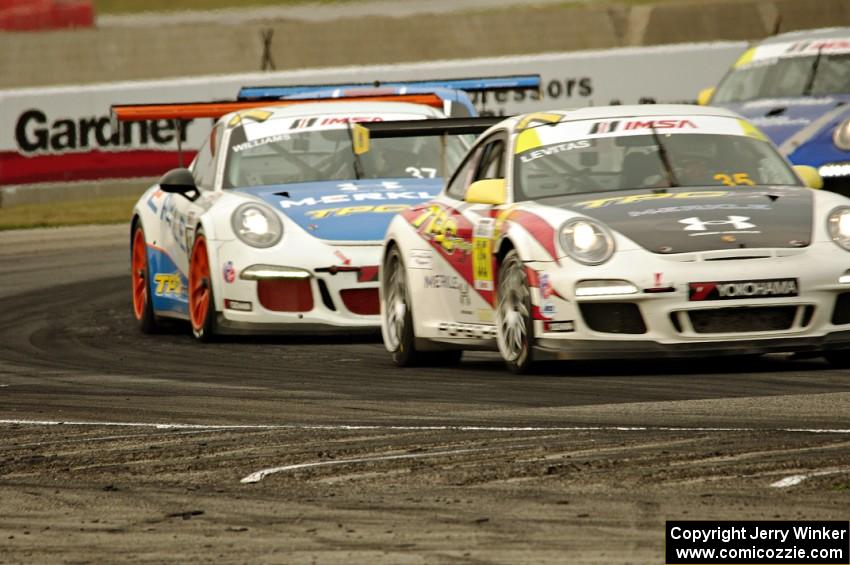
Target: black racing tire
(141, 283)
(202, 313)
(514, 323)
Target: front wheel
(397, 327)
(140, 277)
(514, 326)
(398, 322)
(201, 303)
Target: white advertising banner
(64, 133)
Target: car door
(179, 215)
(471, 233)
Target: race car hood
(356, 210)
(685, 220)
(781, 118)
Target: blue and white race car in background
(796, 88)
(277, 224)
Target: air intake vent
(742, 320)
(841, 313)
(613, 317)
(326, 296)
(362, 301)
(285, 295)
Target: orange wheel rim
(199, 284)
(139, 275)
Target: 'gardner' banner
(64, 133)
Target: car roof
(330, 108)
(625, 111)
(820, 33)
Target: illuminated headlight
(838, 226)
(256, 225)
(605, 288)
(586, 241)
(841, 136)
(834, 170)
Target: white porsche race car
(617, 232)
(278, 223)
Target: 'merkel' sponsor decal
(730, 290)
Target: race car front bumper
(647, 305)
(551, 349)
(328, 289)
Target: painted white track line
(424, 428)
(795, 480)
(258, 476)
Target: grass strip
(78, 212)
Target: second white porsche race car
(616, 232)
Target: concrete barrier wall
(132, 53)
(680, 22)
(173, 51)
(695, 20)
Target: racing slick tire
(202, 314)
(141, 281)
(398, 320)
(514, 324)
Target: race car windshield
(787, 77)
(327, 154)
(605, 164)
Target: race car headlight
(256, 225)
(586, 241)
(838, 226)
(841, 135)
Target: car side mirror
(180, 181)
(809, 175)
(489, 191)
(704, 96)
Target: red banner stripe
(91, 165)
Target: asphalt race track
(117, 445)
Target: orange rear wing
(179, 113)
(215, 110)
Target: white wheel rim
(395, 304)
(512, 313)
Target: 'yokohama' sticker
(731, 290)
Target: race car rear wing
(479, 84)
(363, 132)
(179, 113)
(215, 110)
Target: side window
(463, 175)
(485, 162)
(203, 168)
(492, 164)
